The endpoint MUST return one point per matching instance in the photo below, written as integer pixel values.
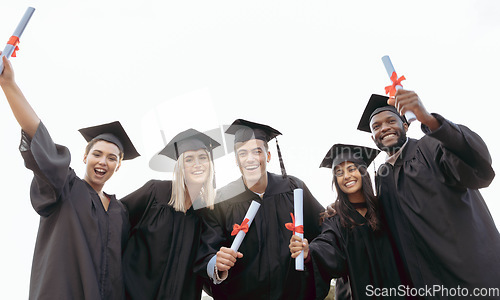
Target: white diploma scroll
(9, 49)
(298, 211)
(410, 116)
(250, 215)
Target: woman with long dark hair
(353, 243)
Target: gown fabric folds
(437, 216)
(362, 255)
(266, 270)
(158, 260)
(79, 244)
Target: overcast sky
(306, 68)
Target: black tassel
(282, 165)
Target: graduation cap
(114, 133)
(340, 153)
(376, 104)
(244, 130)
(188, 140)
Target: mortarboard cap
(114, 133)
(188, 140)
(340, 153)
(244, 130)
(376, 104)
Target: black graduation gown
(363, 255)
(266, 270)
(437, 215)
(342, 288)
(79, 244)
(158, 260)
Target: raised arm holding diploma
(11, 47)
(396, 85)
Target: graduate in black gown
(353, 242)
(165, 228)
(263, 268)
(82, 229)
(428, 189)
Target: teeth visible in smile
(388, 136)
(100, 172)
(198, 172)
(350, 183)
(250, 168)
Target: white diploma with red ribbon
(396, 85)
(241, 230)
(297, 225)
(11, 47)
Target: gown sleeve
(50, 165)
(137, 202)
(212, 237)
(461, 155)
(328, 259)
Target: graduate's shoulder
(151, 188)
(332, 220)
(289, 180)
(333, 224)
(233, 191)
(160, 185)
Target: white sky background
(305, 68)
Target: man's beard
(395, 147)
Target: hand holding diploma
(396, 85)
(299, 246)
(11, 47)
(226, 257)
(409, 100)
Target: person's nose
(347, 175)
(197, 163)
(251, 158)
(384, 127)
(102, 161)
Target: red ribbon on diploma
(243, 227)
(14, 41)
(292, 227)
(391, 89)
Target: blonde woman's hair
(207, 192)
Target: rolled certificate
(410, 116)
(241, 230)
(14, 39)
(298, 209)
